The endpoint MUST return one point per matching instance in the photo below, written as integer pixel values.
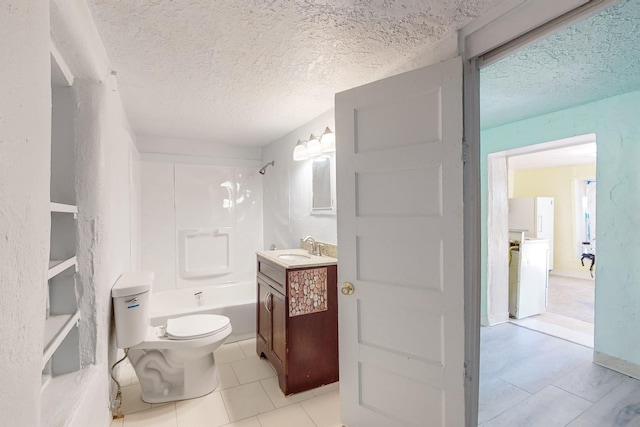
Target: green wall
(616, 123)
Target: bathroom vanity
(297, 318)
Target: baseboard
(498, 318)
(92, 407)
(240, 337)
(618, 365)
(484, 321)
(573, 274)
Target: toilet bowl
(174, 361)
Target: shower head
(264, 168)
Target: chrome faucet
(315, 246)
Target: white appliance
(172, 362)
(528, 277)
(533, 216)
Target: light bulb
(313, 146)
(300, 151)
(328, 141)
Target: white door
(400, 238)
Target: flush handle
(347, 288)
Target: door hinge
(465, 151)
(466, 372)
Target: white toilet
(172, 362)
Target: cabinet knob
(347, 288)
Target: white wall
(287, 191)
(103, 150)
(107, 206)
(135, 196)
(25, 126)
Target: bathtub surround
(207, 151)
(203, 223)
(288, 216)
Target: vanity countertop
(297, 258)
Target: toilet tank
(131, 307)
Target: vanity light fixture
(313, 146)
(300, 151)
(328, 141)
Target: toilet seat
(195, 326)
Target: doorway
(603, 114)
(555, 173)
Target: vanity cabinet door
(278, 325)
(264, 316)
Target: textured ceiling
(248, 71)
(593, 59)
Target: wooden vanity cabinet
(301, 344)
(271, 323)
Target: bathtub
(237, 301)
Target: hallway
(529, 378)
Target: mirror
(321, 181)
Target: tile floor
(570, 312)
(248, 396)
(572, 297)
(528, 378)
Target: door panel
(279, 313)
(394, 203)
(400, 234)
(412, 120)
(264, 316)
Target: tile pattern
(528, 378)
(307, 291)
(570, 311)
(248, 396)
(571, 297)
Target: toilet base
(170, 375)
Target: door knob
(347, 288)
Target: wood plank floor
(528, 378)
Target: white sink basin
(293, 257)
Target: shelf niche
(61, 351)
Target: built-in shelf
(57, 267)
(64, 208)
(56, 329)
(62, 371)
(45, 381)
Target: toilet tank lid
(132, 283)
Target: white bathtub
(237, 301)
